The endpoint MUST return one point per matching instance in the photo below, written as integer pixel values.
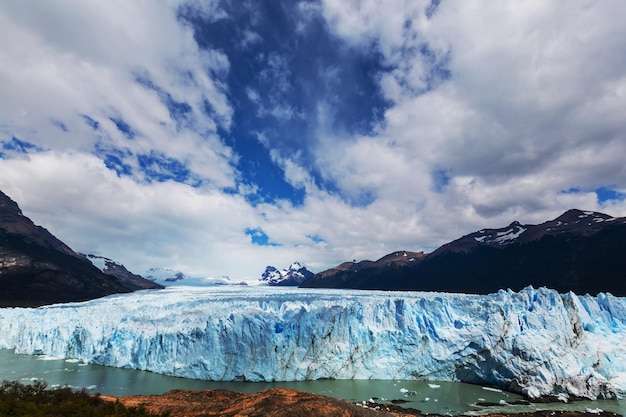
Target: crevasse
(536, 342)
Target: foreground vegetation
(35, 400)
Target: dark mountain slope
(584, 252)
(360, 274)
(123, 275)
(36, 268)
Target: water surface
(430, 397)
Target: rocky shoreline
(280, 402)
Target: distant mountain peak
(504, 236)
(173, 277)
(164, 275)
(294, 275)
(577, 216)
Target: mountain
(295, 275)
(580, 251)
(170, 277)
(164, 276)
(536, 342)
(36, 268)
(357, 274)
(123, 275)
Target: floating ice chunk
(563, 397)
(407, 392)
(492, 389)
(49, 358)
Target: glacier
(536, 342)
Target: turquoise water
(429, 397)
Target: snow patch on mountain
(295, 275)
(510, 234)
(99, 262)
(536, 342)
(500, 236)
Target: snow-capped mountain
(580, 251)
(164, 276)
(295, 275)
(535, 342)
(168, 277)
(572, 222)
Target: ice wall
(536, 342)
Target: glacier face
(536, 342)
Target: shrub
(37, 400)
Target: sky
(219, 137)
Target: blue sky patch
(361, 199)
(431, 9)
(94, 124)
(259, 237)
(316, 238)
(59, 124)
(180, 112)
(440, 179)
(603, 194)
(19, 146)
(159, 167)
(123, 127)
(609, 194)
(114, 159)
(287, 72)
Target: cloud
(93, 209)
(521, 96)
(68, 64)
(219, 138)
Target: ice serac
(536, 342)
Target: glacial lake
(429, 397)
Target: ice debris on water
(407, 392)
